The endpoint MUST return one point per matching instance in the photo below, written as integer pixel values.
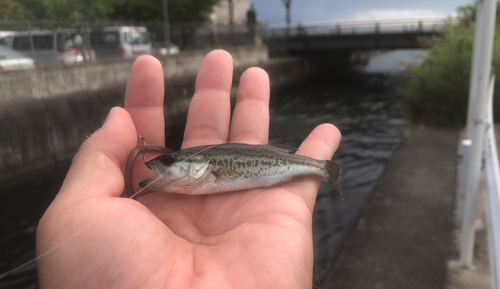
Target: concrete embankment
(38, 137)
(402, 235)
(49, 81)
(406, 235)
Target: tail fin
(333, 175)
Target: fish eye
(167, 159)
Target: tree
(197, 11)
(466, 14)
(438, 88)
(34, 9)
(65, 9)
(11, 10)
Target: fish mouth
(146, 182)
(151, 165)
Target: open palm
(258, 238)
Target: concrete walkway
(403, 236)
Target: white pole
(471, 110)
(478, 39)
(462, 190)
(488, 13)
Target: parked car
(12, 60)
(121, 41)
(50, 47)
(165, 48)
(6, 33)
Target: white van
(121, 41)
(49, 46)
(6, 33)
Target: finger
(250, 123)
(144, 99)
(209, 111)
(97, 168)
(321, 144)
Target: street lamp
(166, 27)
(287, 4)
(213, 18)
(231, 18)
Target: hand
(259, 238)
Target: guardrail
(360, 27)
(492, 169)
(492, 173)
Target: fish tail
(333, 171)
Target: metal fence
(360, 27)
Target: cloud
(382, 14)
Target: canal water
(363, 106)
(360, 102)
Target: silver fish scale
(236, 161)
(232, 167)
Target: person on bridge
(259, 238)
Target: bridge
(309, 38)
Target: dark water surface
(360, 105)
(364, 108)
(20, 210)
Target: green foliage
(35, 9)
(438, 89)
(196, 11)
(11, 10)
(62, 10)
(466, 14)
(77, 9)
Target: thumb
(97, 168)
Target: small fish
(231, 167)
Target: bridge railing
(359, 27)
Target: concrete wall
(56, 80)
(39, 137)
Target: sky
(273, 11)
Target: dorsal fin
(289, 149)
